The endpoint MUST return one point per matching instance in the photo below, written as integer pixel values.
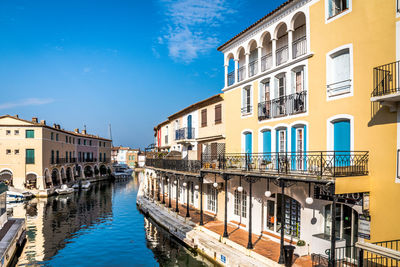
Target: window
(282, 140)
(84, 142)
(70, 139)
(8, 151)
(204, 118)
(30, 134)
(52, 157)
(298, 83)
(56, 137)
(100, 156)
(52, 136)
(30, 156)
(246, 101)
(100, 143)
(79, 156)
(57, 156)
(79, 141)
(264, 106)
(339, 72)
(16, 132)
(8, 132)
(337, 6)
(16, 151)
(90, 142)
(66, 156)
(211, 198)
(218, 113)
(104, 156)
(299, 147)
(240, 203)
(66, 139)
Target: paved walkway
(262, 245)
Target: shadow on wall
(381, 115)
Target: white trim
(306, 136)
(328, 61)
(7, 169)
(330, 19)
(26, 174)
(277, 128)
(245, 87)
(330, 134)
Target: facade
(304, 129)
(119, 154)
(38, 156)
(132, 158)
(192, 130)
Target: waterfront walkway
(263, 245)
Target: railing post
(334, 163)
(361, 258)
(321, 169)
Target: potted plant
(301, 248)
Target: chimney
(43, 122)
(76, 130)
(54, 125)
(16, 116)
(83, 131)
(35, 119)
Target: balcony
(283, 106)
(282, 55)
(387, 83)
(299, 47)
(184, 134)
(266, 62)
(241, 73)
(231, 78)
(253, 68)
(314, 164)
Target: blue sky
(128, 63)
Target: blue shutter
(248, 143)
(341, 142)
(293, 149)
(267, 145)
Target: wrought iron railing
(175, 164)
(289, 105)
(264, 110)
(231, 78)
(312, 163)
(241, 73)
(386, 79)
(253, 68)
(299, 47)
(392, 244)
(266, 62)
(247, 109)
(282, 55)
(185, 133)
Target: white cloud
(191, 26)
(26, 102)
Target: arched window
(240, 203)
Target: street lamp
(268, 192)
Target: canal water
(98, 227)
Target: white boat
(64, 189)
(83, 185)
(13, 197)
(122, 171)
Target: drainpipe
(169, 193)
(177, 196)
(333, 233)
(187, 200)
(163, 190)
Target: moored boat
(64, 189)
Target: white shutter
(262, 93)
(276, 88)
(293, 80)
(244, 95)
(341, 67)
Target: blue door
(341, 142)
(189, 126)
(248, 143)
(267, 145)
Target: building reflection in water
(168, 251)
(52, 222)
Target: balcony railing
(184, 133)
(253, 68)
(299, 47)
(266, 62)
(247, 109)
(177, 165)
(288, 105)
(62, 160)
(241, 73)
(231, 78)
(386, 79)
(264, 110)
(282, 55)
(312, 163)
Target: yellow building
(298, 84)
(36, 156)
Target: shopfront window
(211, 198)
(240, 205)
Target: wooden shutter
(218, 114)
(204, 118)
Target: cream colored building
(34, 155)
